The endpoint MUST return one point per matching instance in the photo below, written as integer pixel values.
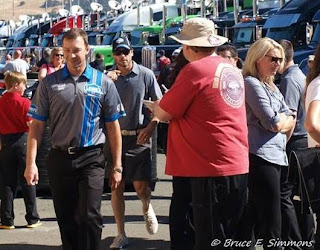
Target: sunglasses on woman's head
(118, 52)
(275, 59)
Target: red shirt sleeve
(177, 100)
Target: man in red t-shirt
(13, 133)
(162, 60)
(207, 138)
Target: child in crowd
(14, 129)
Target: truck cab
(146, 35)
(301, 56)
(251, 28)
(95, 37)
(126, 23)
(291, 20)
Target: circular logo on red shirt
(232, 86)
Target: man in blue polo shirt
(292, 87)
(134, 84)
(80, 103)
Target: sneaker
(34, 225)
(151, 221)
(119, 242)
(7, 227)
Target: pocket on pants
(91, 157)
(90, 168)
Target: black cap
(161, 53)
(121, 42)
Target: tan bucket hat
(199, 32)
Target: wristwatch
(117, 169)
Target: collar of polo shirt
(86, 73)
(135, 68)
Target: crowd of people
(228, 134)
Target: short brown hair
(228, 47)
(202, 49)
(74, 33)
(288, 49)
(13, 77)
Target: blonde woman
(56, 63)
(270, 124)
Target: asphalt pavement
(47, 236)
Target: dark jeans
(13, 163)
(262, 218)
(218, 204)
(180, 216)
(77, 185)
(290, 227)
(163, 136)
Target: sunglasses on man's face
(275, 59)
(120, 52)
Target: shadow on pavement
(134, 244)
(28, 247)
(49, 219)
(164, 180)
(140, 244)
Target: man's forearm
(115, 142)
(34, 140)
(153, 124)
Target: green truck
(141, 36)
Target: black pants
(262, 219)
(290, 230)
(13, 163)
(180, 216)
(163, 136)
(218, 204)
(77, 185)
(310, 176)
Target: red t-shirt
(208, 133)
(163, 61)
(13, 113)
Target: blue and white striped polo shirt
(77, 110)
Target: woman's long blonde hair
(257, 51)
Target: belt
(76, 150)
(130, 132)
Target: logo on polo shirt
(33, 109)
(58, 86)
(93, 90)
(231, 85)
(120, 107)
